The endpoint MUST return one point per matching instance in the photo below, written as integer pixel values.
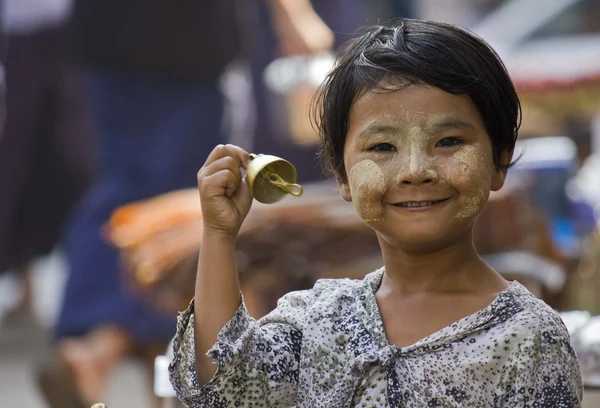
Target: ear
(344, 189)
(499, 175)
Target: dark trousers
(153, 137)
(45, 149)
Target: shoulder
(535, 317)
(538, 330)
(327, 292)
(540, 358)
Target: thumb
(243, 197)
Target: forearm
(217, 296)
(291, 7)
(299, 28)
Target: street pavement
(22, 343)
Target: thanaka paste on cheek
(367, 186)
(470, 159)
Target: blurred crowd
(108, 103)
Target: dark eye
(382, 147)
(449, 142)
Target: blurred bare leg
(91, 359)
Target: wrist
(218, 235)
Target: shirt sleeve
(543, 371)
(257, 361)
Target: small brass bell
(271, 178)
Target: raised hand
(224, 194)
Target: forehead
(421, 106)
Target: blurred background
(109, 107)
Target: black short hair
(416, 52)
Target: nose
(416, 169)
(423, 176)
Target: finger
(219, 152)
(223, 182)
(244, 195)
(242, 199)
(244, 156)
(223, 163)
(228, 150)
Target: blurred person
(45, 149)
(154, 71)
(272, 132)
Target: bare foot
(85, 371)
(91, 359)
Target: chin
(422, 240)
(414, 243)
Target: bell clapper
(275, 179)
(276, 172)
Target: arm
(217, 295)
(299, 28)
(256, 362)
(226, 200)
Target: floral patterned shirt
(326, 347)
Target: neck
(454, 268)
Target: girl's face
(419, 164)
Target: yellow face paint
(367, 186)
(420, 162)
(469, 160)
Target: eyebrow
(437, 125)
(448, 122)
(378, 128)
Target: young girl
(418, 122)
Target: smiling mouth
(420, 204)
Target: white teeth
(417, 203)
